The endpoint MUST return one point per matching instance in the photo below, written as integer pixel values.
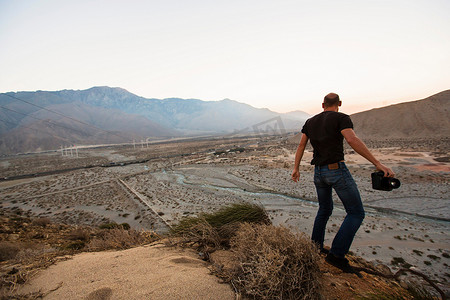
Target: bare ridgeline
(153, 186)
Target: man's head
(331, 101)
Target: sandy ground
(151, 272)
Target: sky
(283, 55)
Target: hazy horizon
(318, 101)
(283, 55)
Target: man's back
(324, 132)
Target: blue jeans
(342, 182)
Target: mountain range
(42, 120)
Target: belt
(333, 166)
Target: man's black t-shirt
(324, 131)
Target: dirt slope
(149, 272)
(427, 118)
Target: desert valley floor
(167, 181)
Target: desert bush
(75, 245)
(237, 212)
(29, 251)
(8, 251)
(118, 238)
(400, 261)
(433, 257)
(124, 226)
(42, 222)
(79, 234)
(274, 263)
(205, 238)
(211, 231)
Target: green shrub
(234, 213)
(211, 231)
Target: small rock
(13, 237)
(384, 269)
(403, 284)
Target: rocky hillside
(427, 118)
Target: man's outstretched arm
(298, 157)
(362, 150)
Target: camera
(379, 182)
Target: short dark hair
(331, 99)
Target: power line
(47, 121)
(68, 117)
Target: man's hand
(295, 175)
(298, 157)
(387, 172)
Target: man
(327, 131)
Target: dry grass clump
(82, 234)
(8, 251)
(41, 222)
(236, 212)
(118, 238)
(274, 263)
(267, 263)
(205, 238)
(211, 231)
